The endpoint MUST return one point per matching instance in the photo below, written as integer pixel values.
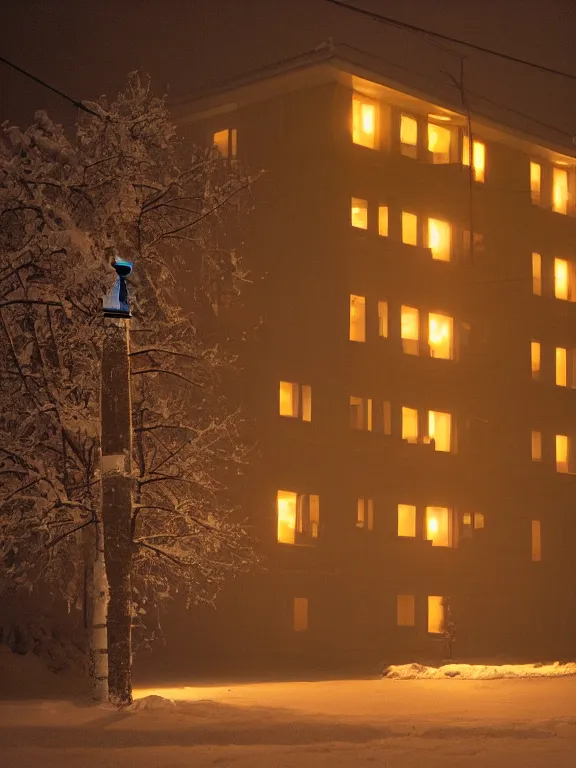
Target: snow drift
(479, 671)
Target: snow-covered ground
(426, 723)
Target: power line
(413, 28)
(77, 104)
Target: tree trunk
(117, 505)
(98, 639)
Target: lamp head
(123, 268)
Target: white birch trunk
(99, 633)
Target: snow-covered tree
(123, 185)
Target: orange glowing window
(410, 330)
(359, 213)
(357, 318)
(478, 520)
(361, 413)
(561, 367)
(439, 239)
(439, 526)
(435, 614)
(535, 359)
(409, 228)
(536, 541)
(295, 400)
(364, 118)
(409, 424)
(535, 181)
(563, 280)
(536, 274)
(405, 610)
(440, 430)
(478, 158)
(300, 614)
(286, 507)
(383, 319)
(226, 141)
(387, 417)
(439, 138)
(407, 520)
(560, 190)
(440, 336)
(561, 453)
(365, 514)
(383, 220)
(536, 445)
(298, 517)
(408, 136)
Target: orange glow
(288, 399)
(410, 330)
(535, 181)
(440, 336)
(410, 425)
(535, 359)
(478, 158)
(560, 190)
(383, 319)
(435, 614)
(306, 402)
(359, 213)
(536, 274)
(361, 413)
(407, 520)
(561, 453)
(438, 526)
(286, 506)
(439, 139)
(536, 445)
(561, 372)
(439, 239)
(478, 520)
(536, 541)
(300, 615)
(357, 318)
(405, 610)
(363, 121)
(365, 514)
(561, 279)
(440, 429)
(408, 135)
(387, 414)
(383, 220)
(409, 228)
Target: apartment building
(410, 376)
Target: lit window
(357, 318)
(365, 514)
(435, 614)
(439, 526)
(560, 190)
(359, 213)
(383, 220)
(535, 181)
(409, 425)
(405, 612)
(410, 330)
(226, 142)
(536, 274)
(478, 157)
(409, 228)
(363, 121)
(407, 520)
(478, 520)
(408, 136)
(440, 336)
(439, 239)
(296, 400)
(440, 429)
(387, 417)
(383, 318)
(535, 359)
(439, 143)
(561, 376)
(298, 517)
(536, 445)
(561, 453)
(300, 614)
(361, 413)
(563, 280)
(536, 541)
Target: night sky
(86, 47)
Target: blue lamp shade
(116, 303)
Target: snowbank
(152, 703)
(479, 671)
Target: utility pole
(116, 519)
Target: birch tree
(123, 185)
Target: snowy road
(394, 724)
